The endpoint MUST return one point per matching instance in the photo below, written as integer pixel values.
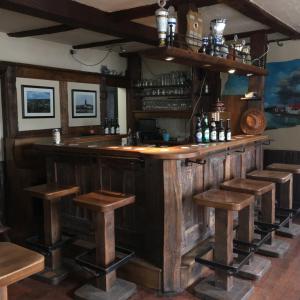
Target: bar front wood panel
(164, 223)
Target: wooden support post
(223, 247)
(105, 247)
(268, 210)
(52, 231)
(243, 165)
(3, 293)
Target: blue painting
(282, 94)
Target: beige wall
(285, 138)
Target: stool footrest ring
(34, 243)
(229, 269)
(88, 258)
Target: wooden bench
(103, 204)
(284, 196)
(51, 239)
(224, 285)
(17, 263)
(265, 191)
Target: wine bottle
(112, 127)
(198, 131)
(221, 133)
(228, 131)
(106, 127)
(213, 130)
(117, 127)
(205, 130)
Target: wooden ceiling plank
(253, 11)
(76, 14)
(101, 43)
(42, 31)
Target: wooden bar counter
(164, 224)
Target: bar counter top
(85, 145)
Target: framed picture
(38, 101)
(84, 104)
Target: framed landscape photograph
(84, 104)
(37, 102)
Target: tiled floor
(281, 282)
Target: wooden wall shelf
(211, 63)
(176, 114)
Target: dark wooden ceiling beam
(242, 35)
(256, 13)
(76, 14)
(101, 44)
(42, 31)
(149, 10)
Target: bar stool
(17, 263)
(265, 191)
(51, 242)
(284, 196)
(223, 285)
(104, 263)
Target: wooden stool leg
(223, 246)
(246, 224)
(52, 231)
(286, 196)
(105, 247)
(3, 293)
(268, 210)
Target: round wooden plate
(253, 121)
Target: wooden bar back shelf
(284, 196)
(52, 242)
(266, 191)
(104, 203)
(17, 263)
(224, 285)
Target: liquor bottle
(112, 127)
(205, 130)
(213, 130)
(221, 133)
(198, 131)
(117, 127)
(228, 131)
(106, 127)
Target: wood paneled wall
(23, 166)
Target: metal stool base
(291, 232)
(206, 290)
(256, 269)
(52, 277)
(122, 290)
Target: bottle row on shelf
(168, 104)
(206, 132)
(111, 126)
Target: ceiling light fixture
(231, 71)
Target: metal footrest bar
(229, 269)
(268, 226)
(267, 236)
(292, 212)
(238, 243)
(34, 243)
(88, 258)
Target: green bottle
(206, 130)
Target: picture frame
(84, 103)
(37, 101)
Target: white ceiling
(236, 22)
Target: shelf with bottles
(111, 126)
(172, 114)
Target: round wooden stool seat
(51, 191)
(224, 199)
(254, 187)
(295, 169)
(17, 263)
(104, 201)
(269, 175)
